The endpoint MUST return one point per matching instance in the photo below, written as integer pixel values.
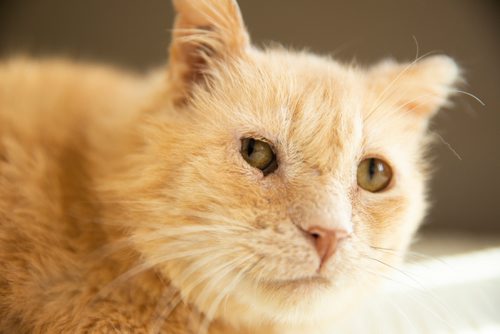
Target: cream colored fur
(125, 204)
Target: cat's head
(276, 185)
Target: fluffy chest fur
(135, 204)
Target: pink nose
(325, 241)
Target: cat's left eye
(374, 175)
(259, 154)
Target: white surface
(454, 293)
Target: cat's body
(125, 204)
(52, 131)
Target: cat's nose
(326, 241)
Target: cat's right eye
(374, 175)
(259, 154)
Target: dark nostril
(315, 235)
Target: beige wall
(466, 192)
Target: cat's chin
(287, 302)
(286, 299)
(277, 302)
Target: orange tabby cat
(239, 190)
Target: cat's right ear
(205, 32)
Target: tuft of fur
(125, 204)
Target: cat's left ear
(205, 32)
(418, 89)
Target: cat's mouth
(309, 281)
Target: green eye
(259, 154)
(374, 175)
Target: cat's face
(238, 234)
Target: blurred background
(135, 34)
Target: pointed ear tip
(191, 4)
(179, 6)
(185, 6)
(446, 67)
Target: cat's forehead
(309, 104)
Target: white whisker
(471, 95)
(448, 145)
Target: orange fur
(125, 205)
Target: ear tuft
(442, 68)
(205, 31)
(421, 87)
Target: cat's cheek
(384, 227)
(285, 254)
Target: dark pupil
(373, 168)
(250, 148)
